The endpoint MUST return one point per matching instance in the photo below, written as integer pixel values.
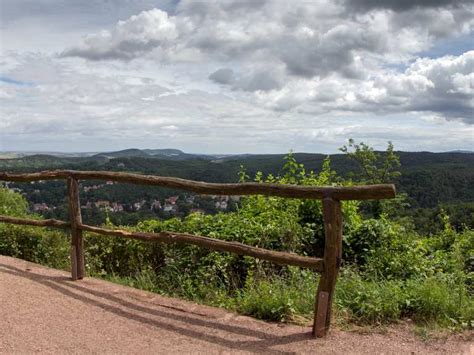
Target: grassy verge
(434, 302)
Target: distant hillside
(123, 153)
(20, 154)
(164, 152)
(10, 155)
(171, 154)
(428, 178)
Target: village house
(102, 204)
(190, 199)
(93, 187)
(170, 208)
(117, 207)
(87, 206)
(155, 205)
(138, 205)
(222, 205)
(41, 207)
(172, 200)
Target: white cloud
(309, 38)
(242, 75)
(280, 48)
(129, 39)
(443, 85)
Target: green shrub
(278, 298)
(39, 245)
(369, 301)
(386, 249)
(439, 299)
(12, 203)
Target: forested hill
(428, 178)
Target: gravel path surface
(42, 311)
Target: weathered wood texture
(276, 257)
(362, 192)
(321, 315)
(332, 258)
(77, 243)
(73, 257)
(33, 222)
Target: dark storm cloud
(223, 76)
(262, 81)
(79, 13)
(258, 80)
(401, 5)
(333, 52)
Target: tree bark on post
(332, 215)
(77, 244)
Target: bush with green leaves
(34, 244)
(12, 203)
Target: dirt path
(41, 310)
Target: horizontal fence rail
(331, 196)
(277, 257)
(34, 222)
(249, 188)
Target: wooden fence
(331, 198)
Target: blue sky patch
(7, 80)
(450, 46)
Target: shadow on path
(126, 309)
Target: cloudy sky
(234, 77)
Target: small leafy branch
(377, 168)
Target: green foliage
(41, 246)
(278, 297)
(143, 280)
(119, 256)
(380, 247)
(439, 298)
(34, 244)
(367, 301)
(12, 204)
(376, 168)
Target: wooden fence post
(77, 247)
(332, 258)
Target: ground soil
(43, 311)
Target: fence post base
(332, 214)
(72, 254)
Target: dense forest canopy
(431, 181)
